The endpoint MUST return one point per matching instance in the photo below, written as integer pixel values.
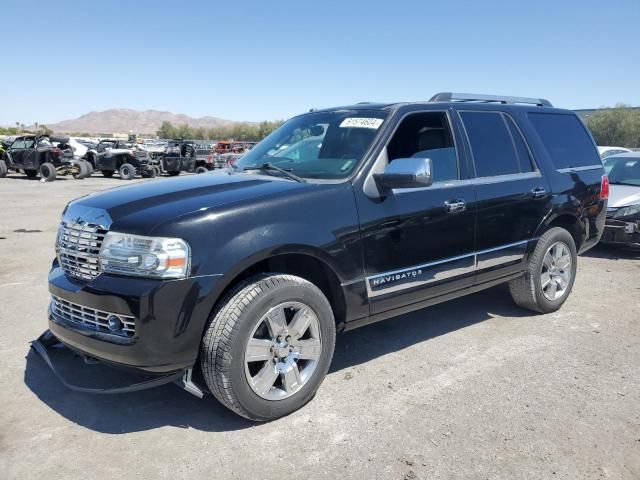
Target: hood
(139, 208)
(623, 195)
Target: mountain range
(121, 120)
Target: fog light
(114, 323)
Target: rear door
(511, 193)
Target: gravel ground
(474, 388)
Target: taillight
(56, 152)
(604, 188)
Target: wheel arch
(568, 221)
(300, 261)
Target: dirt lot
(475, 388)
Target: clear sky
(261, 60)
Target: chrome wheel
(556, 271)
(283, 351)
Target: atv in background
(179, 156)
(110, 156)
(37, 154)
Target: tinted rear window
(566, 140)
(492, 145)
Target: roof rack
(481, 98)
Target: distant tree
(249, 132)
(618, 126)
(166, 130)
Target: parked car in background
(232, 146)
(37, 155)
(608, 151)
(79, 150)
(623, 213)
(91, 145)
(155, 148)
(112, 156)
(250, 272)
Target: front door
(419, 243)
(15, 152)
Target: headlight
(154, 257)
(627, 211)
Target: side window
(17, 144)
(493, 144)
(524, 157)
(426, 135)
(566, 139)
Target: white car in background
(608, 151)
(79, 150)
(623, 213)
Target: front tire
(127, 171)
(3, 169)
(550, 273)
(269, 346)
(107, 173)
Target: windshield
(623, 171)
(323, 145)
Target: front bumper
(170, 317)
(621, 233)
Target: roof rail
(481, 98)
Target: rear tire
(549, 275)
(3, 169)
(89, 167)
(201, 170)
(48, 172)
(174, 173)
(83, 169)
(31, 173)
(269, 346)
(127, 171)
(107, 173)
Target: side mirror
(405, 173)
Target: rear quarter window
(565, 139)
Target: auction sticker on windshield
(362, 123)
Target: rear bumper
(621, 233)
(170, 317)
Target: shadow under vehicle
(37, 155)
(110, 156)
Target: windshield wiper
(270, 167)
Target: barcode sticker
(361, 123)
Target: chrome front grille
(78, 246)
(113, 323)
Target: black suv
(342, 217)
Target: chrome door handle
(538, 192)
(455, 206)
